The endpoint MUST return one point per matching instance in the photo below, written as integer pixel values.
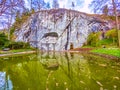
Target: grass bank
(108, 51)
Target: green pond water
(59, 71)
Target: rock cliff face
(59, 28)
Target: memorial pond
(59, 71)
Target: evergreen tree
(47, 5)
(55, 4)
(73, 5)
(38, 4)
(105, 10)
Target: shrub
(112, 34)
(12, 29)
(3, 39)
(93, 39)
(105, 41)
(17, 45)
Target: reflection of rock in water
(48, 55)
(51, 67)
(5, 82)
(2, 80)
(69, 56)
(49, 61)
(72, 55)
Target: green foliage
(32, 11)
(105, 10)
(19, 21)
(110, 51)
(17, 45)
(112, 17)
(105, 42)
(93, 38)
(3, 39)
(12, 29)
(111, 34)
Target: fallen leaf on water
(53, 78)
(65, 83)
(47, 89)
(66, 89)
(118, 70)
(115, 86)
(103, 65)
(101, 88)
(82, 82)
(99, 83)
(56, 84)
(116, 78)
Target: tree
(55, 4)
(96, 6)
(26, 11)
(47, 5)
(105, 10)
(18, 14)
(116, 18)
(31, 1)
(38, 4)
(3, 39)
(73, 5)
(6, 5)
(8, 9)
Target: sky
(80, 5)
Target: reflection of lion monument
(49, 60)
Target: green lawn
(109, 51)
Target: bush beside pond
(95, 39)
(17, 45)
(3, 40)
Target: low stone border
(18, 53)
(71, 51)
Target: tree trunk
(31, 4)
(119, 38)
(117, 24)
